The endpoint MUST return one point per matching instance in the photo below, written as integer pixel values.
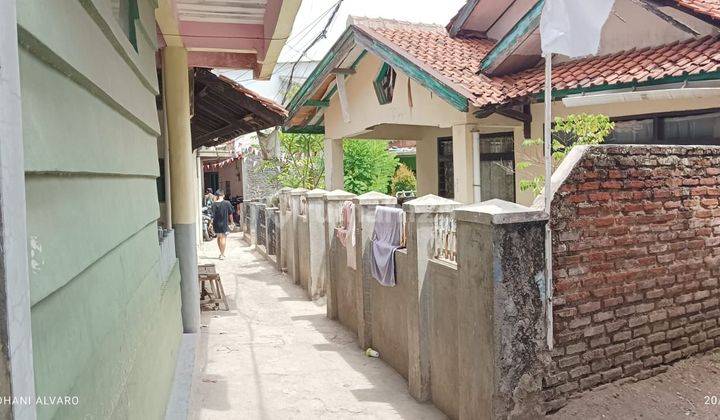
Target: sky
(307, 25)
(314, 14)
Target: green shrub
(368, 166)
(403, 180)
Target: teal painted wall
(106, 327)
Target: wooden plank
(342, 94)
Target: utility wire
(321, 35)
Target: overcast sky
(307, 25)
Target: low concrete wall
(390, 317)
(343, 279)
(444, 336)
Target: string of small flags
(223, 163)
(240, 152)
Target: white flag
(573, 27)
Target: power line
(321, 35)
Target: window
(385, 84)
(497, 167)
(446, 186)
(126, 12)
(161, 181)
(688, 128)
(633, 132)
(694, 129)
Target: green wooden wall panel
(88, 336)
(75, 220)
(67, 129)
(62, 33)
(147, 20)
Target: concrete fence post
(253, 222)
(333, 212)
(317, 246)
(364, 224)
(285, 223)
(420, 239)
(294, 269)
(501, 323)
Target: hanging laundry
(385, 241)
(346, 233)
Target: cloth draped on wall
(346, 233)
(386, 239)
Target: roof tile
(454, 60)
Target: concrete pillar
(17, 377)
(285, 222)
(420, 248)
(319, 246)
(294, 269)
(182, 181)
(364, 224)
(427, 166)
(334, 177)
(501, 323)
(463, 162)
(333, 215)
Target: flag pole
(547, 134)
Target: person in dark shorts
(222, 211)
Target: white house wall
(365, 112)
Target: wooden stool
(208, 276)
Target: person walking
(222, 211)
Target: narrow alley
(276, 355)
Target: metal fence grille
(261, 225)
(272, 232)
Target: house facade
(471, 93)
(96, 299)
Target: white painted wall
(14, 278)
(427, 108)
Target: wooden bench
(214, 294)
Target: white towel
(350, 242)
(386, 240)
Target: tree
(300, 164)
(368, 166)
(403, 180)
(567, 132)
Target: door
(497, 166)
(446, 186)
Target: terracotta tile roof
(267, 103)
(710, 8)
(454, 61)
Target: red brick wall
(636, 251)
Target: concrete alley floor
(275, 355)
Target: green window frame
(384, 84)
(126, 12)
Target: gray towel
(385, 240)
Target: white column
(334, 164)
(183, 180)
(427, 165)
(17, 365)
(463, 162)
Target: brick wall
(636, 238)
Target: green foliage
(300, 164)
(568, 132)
(368, 166)
(403, 180)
